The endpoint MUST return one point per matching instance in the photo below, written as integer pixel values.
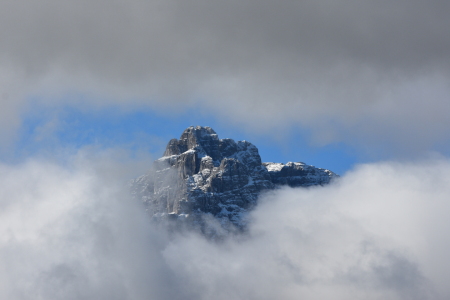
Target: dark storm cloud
(137, 38)
(347, 69)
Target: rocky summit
(202, 176)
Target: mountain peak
(197, 131)
(199, 138)
(202, 174)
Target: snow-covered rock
(297, 174)
(201, 174)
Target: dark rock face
(200, 173)
(296, 174)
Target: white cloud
(377, 234)
(70, 232)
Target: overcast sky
(371, 74)
(91, 91)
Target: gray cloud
(367, 72)
(69, 232)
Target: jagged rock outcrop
(297, 174)
(200, 173)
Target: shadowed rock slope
(201, 174)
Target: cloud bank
(71, 232)
(365, 72)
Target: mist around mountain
(89, 87)
(72, 232)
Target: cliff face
(202, 174)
